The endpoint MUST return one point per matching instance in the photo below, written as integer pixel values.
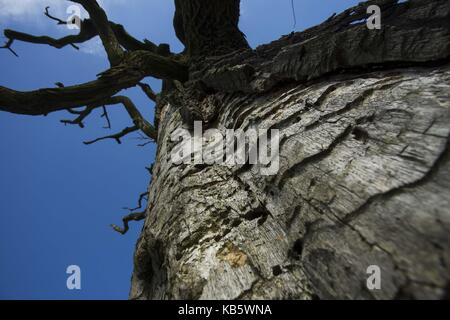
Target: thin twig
(81, 116)
(106, 116)
(117, 136)
(294, 15)
(8, 46)
(143, 196)
(47, 13)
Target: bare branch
(143, 196)
(135, 115)
(148, 91)
(139, 122)
(110, 43)
(8, 45)
(98, 24)
(138, 216)
(150, 169)
(82, 115)
(146, 139)
(136, 66)
(129, 42)
(59, 21)
(87, 32)
(106, 116)
(117, 136)
(146, 143)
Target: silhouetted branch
(136, 66)
(146, 139)
(148, 91)
(86, 33)
(143, 196)
(82, 115)
(117, 136)
(139, 122)
(138, 216)
(135, 115)
(110, 43)
(59, 21)
(106, 116)
(8, 45)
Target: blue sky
(58, 196)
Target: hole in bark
(271, 190)
(360, 134)
(297, 248)
(236, 223)
(260, 213)
(276, 271)
(371, 118)
(201, 167)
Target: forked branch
(143, 196)
(81, 116)
(138, 120)
(8, 45)
(136, 66)
(59, 21)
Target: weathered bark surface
(364, 174)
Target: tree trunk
(364, 176)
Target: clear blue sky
(58, 196)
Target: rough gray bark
(364, 179)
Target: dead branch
(138, 120)
(136, 66)
(143, 196)
(100, 20)
(59, 21)
(146, 139)
(82, 115)
(117, 136)
(86, 33)
(8, 45)
(138, 216)
(127, 71)
(106, 116)
(148, 91)
(134, 114)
